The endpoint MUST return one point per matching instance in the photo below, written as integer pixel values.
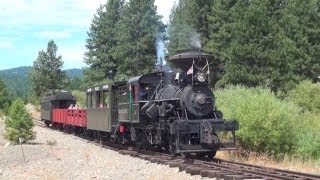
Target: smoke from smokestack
(195, 41)
(160, 50)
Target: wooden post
(21, 140)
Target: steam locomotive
(171, 109)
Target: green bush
(19, 123)
(308, 136)
(306, 95)
(266, 123)
(81, 98)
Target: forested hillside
(17, 81)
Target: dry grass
(288, 163)
(51, 142)
(56, 152)
(33, 110)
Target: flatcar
(171, 109)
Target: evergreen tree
(101, 39)
(247, 41)
(5, 97)
(76, 83)
(19, 123)
(301, 27)
(46, 73)
(179, 32)
(136, 34)
(220, 36)
(266, 43)
(189, 21)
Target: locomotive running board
(227, 146)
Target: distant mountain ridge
(24, 70)
(17, 81)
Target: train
(172, 108)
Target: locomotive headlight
(201, 77)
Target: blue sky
(26, 26)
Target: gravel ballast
(57, 155)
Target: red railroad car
(72, 117)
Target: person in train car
(144, 93)
(71, 106)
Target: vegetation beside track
(19, 123)
(269, 125)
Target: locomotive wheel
(200, 155)
(141, 140)
(209, 155)
(47, 123)
(185, 155)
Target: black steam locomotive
(171, 109)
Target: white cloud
(164, 8)
(72, 56)
(15, 13)
(53, 34)
(5, 44)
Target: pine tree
(101, 39)
(136, 35)
(46, 73)
(189, 21)
(220, 36)
(19, 123)
(301, 27)
(246, 36)
(5, 97)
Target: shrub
(308, 136)
(306, 95)
(81, 98)
(19, 123)
(266, 123)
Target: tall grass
(269, 125)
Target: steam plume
(160, 50)
(195, 41)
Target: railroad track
(38, 122)
(218, 168)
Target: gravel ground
(56, 155)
